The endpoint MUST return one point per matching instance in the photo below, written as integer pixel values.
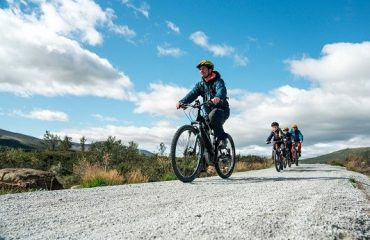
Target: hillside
(17, 140)
(340, 155)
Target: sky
(117, 68)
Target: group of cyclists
(212, 89)
(285, 138)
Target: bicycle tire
(177, 158)
(219, 163)
(296, 158)
(289, 160)
(285, 163)
(277, 161)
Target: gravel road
(304, 202)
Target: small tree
(50, 141)
(83, 143)
(66, 143)
(162, 148)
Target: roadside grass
(169, 177)
(245, 166)
(337, 163)
(4, 191)
(136, 176)
(359, 164)
(251, 162)
(353, 181)
(95, 175)
(86, 172)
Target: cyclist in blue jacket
(297, 137)
(212, 88)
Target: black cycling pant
(217, 118)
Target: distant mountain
(146, 153)
(17, 140)
(340, 155)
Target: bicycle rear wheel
(296, 158)
(186, 153)
(277, 161)
(285, 161)
(225, 161)
(288, 159)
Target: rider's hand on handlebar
(268, 142)
(216, 100)
(178, 105)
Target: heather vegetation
(354, 159)
(358, 163)
(110, 162)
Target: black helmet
(206, 63)
(274, 124)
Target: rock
(25, 178)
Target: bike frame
(295, 151)
(205, 131)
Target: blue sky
(100, 68)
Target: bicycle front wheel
(289, 160)
(186, 153)
(277, 161)
(285, 161)
(225, 161)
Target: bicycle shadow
(310, 170)
(243, 180)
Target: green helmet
(206, 63)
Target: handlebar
(197, 104)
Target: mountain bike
(277, 156)
(287, 159)
(295, 153)
(194, 147)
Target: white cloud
(161, 100)
(201, 39)
(169, 51)
(240, 60)
(173, 27)
(34, 59)
(104, 118)
(43, 115)
(74, 17)
(80, 18)
(343, 67)
(332, 115)
(142, 9)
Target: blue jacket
(288, 137)
(208, 90)
(297, 135)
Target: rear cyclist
(276, 135)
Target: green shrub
(97, 181)
(169, 177)
(336, 163)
